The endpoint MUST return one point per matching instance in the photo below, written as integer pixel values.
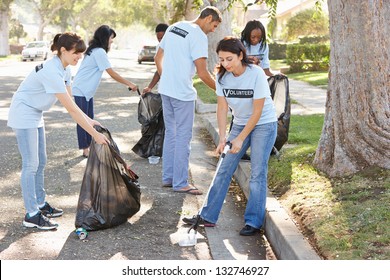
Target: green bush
(308, 57)
(277, 51)
(314, 39)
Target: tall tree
(4, 28)
(47, 10)
(305, 23)
(356, 132)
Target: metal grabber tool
(190, 239)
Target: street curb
(202, 108)
(286, 240)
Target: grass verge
(345, 218)
(206, 94)
(317, 78)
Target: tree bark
(356, 132)
(4, 32)
(224, 29)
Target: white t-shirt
(37, 94)
(183, 43)
(261, 53)
(242, 90)
(88, 76)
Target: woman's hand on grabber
(236, 145)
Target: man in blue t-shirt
(182, 51)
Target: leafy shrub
(308, 57)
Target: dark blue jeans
(83, 137)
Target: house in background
(285, 10)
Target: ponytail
(69, 41)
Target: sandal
(191, 190)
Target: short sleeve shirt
(262, 53)
(242, 90)
(88, 76)
(36, 94)
(183, 43)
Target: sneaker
(51, 212)
(38, 221)
(247, 230)
(192, 221)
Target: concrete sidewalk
(286, 240)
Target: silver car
(36, 50)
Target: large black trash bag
(280, 94)
(150, 116)
(110, 193)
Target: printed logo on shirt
(238, 93)
(38, 67)
(179, 31)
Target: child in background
(254, 39)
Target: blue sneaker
(51, 212)
(38, 221)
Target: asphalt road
(153, 233)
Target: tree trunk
(189, 12)
(224, 29)
(4, 32)
(356, 132)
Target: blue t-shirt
(262, 53)
(242, 90)
(183, 43)
(88, 76)
(37, 94)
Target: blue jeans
(32, 148)
(261, 140)
(83, 137)
(179, 120)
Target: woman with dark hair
(47, 82)
(88, 78)
(254, 39)
(244, 88)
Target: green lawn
(317, 78)
(345, 218)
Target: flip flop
(192, 190)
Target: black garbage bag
(280, 94)
(150, 116)
(110, 193)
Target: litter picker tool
(143, 103)
(190, 239)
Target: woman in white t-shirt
(39, 91)
(88, 78)
(244, 88)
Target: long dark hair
(100, 38)
(233, 45)
(69, 41)
(246, 33)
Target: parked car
(146, 53)
(36, 50)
